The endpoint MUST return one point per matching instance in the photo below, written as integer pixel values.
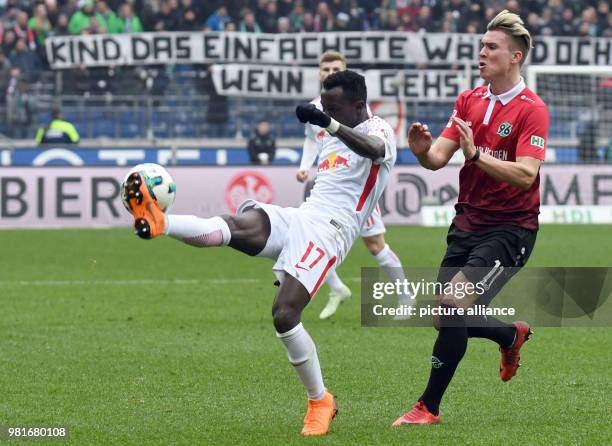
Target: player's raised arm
(365, 145)
(343, 98)
(432, 157)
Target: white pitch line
(124, 282)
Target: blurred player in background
(306, 242)
(373, 230)
(501, 129)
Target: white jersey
(348, 185)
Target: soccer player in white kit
(373, 230)
(358, 152)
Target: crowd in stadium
(25, 24)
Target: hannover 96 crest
(504, 129)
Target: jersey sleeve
(310, 150)
(450, 131)
(534, 134)
(381, 129)
(310, 132)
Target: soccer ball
(159, 182)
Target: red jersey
(506, 126)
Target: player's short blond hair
(332, 56)
(513, 25)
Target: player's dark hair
(353, 84)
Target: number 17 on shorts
(312, 265)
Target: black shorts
(490, 258)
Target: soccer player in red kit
(501, 129)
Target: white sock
(333, 280)
(390, 264)
(197, 231)
(302, 354)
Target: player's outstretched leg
(338, 293)
(290, 301)
(247, 232)
(391, 265)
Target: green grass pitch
(157, 343)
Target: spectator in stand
(218, 20)
(19, 106)
(390, 20)
(603, 16)
(69, 8)
(248, 24)
(187, 5)
(546, 22)
(513, 6)
(358, 21)
(607, 31)
(5, 75)
(190, 17)
(564, 24)
(81, 19)
(296, 16)
(22, 31)
(283, 25)
(52, 11)
(475, 12)
(260, 10)
(61, 29)
(168, 18)
(40, 25)
(556, 6)
(308, 23)
(473, 28)
(406, 22)
(588, 25)
(424, 21)
(106, 17)
(26, 60)
(9, 17)
(490, 12)
(533, 24)
(458, 13)
(262, 146)
(447, 26)
(284, 7)
(342, 22)
(8, 42)
(127, 22)
(269, 22)
(323, 19)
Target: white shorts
(373, 225)
(307, 246)
(280, 219)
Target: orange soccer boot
(319, 415)
(149, 220)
